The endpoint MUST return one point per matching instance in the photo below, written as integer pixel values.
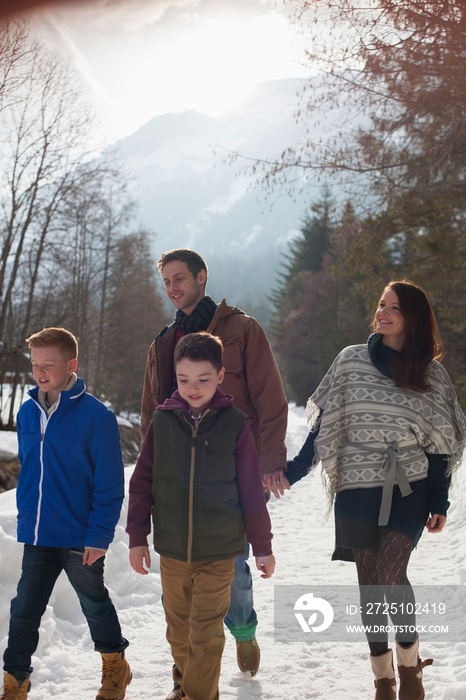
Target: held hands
(266, 565)
(276, 482)
(137, 557)
(436, 523)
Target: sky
(143, 58)
(294, 664)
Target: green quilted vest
(197, 512)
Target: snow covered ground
(65, 666)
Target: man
(251, 377)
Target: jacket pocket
(233, 356)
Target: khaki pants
(196, 598)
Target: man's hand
(436, 523)
(276, 482)
(266, 565)
(91, 554)
(137, 557)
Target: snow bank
(65, 666)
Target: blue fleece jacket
(71, 484)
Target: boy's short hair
(198, 347)
(192, 259)
(66, 342)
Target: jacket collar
(65, 396)
(224, 310)
(219, 400)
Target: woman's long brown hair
(422, 340)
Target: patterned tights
(385, 588)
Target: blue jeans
(241, 618)
(40, 570)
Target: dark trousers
(40, 569)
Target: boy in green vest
(198, 474)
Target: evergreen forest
(402, 65)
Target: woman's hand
(436, 523)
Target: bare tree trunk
(102, 317)
(12, 413)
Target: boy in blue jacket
(69, 497)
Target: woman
(387, 426)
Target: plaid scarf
(199, 319)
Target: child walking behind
(198, 473)
(69, 497)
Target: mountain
(193, 194)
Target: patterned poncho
(373, 433)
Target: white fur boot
(385, 683)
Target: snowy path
(65, 667)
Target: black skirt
(357, 514)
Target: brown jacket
(251, 376)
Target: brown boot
(410, 671)
(14, 689)
(248, 656)
(385, 683)
(175, 693)
(116, 675)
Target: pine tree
(320, 301)
(135, 316)
(304, 298)
(306, 252)
(392, 90)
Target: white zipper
(44, 420)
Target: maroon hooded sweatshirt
(251, 492)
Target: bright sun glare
(216, 67)
(209, 65)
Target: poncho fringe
(355, 405)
